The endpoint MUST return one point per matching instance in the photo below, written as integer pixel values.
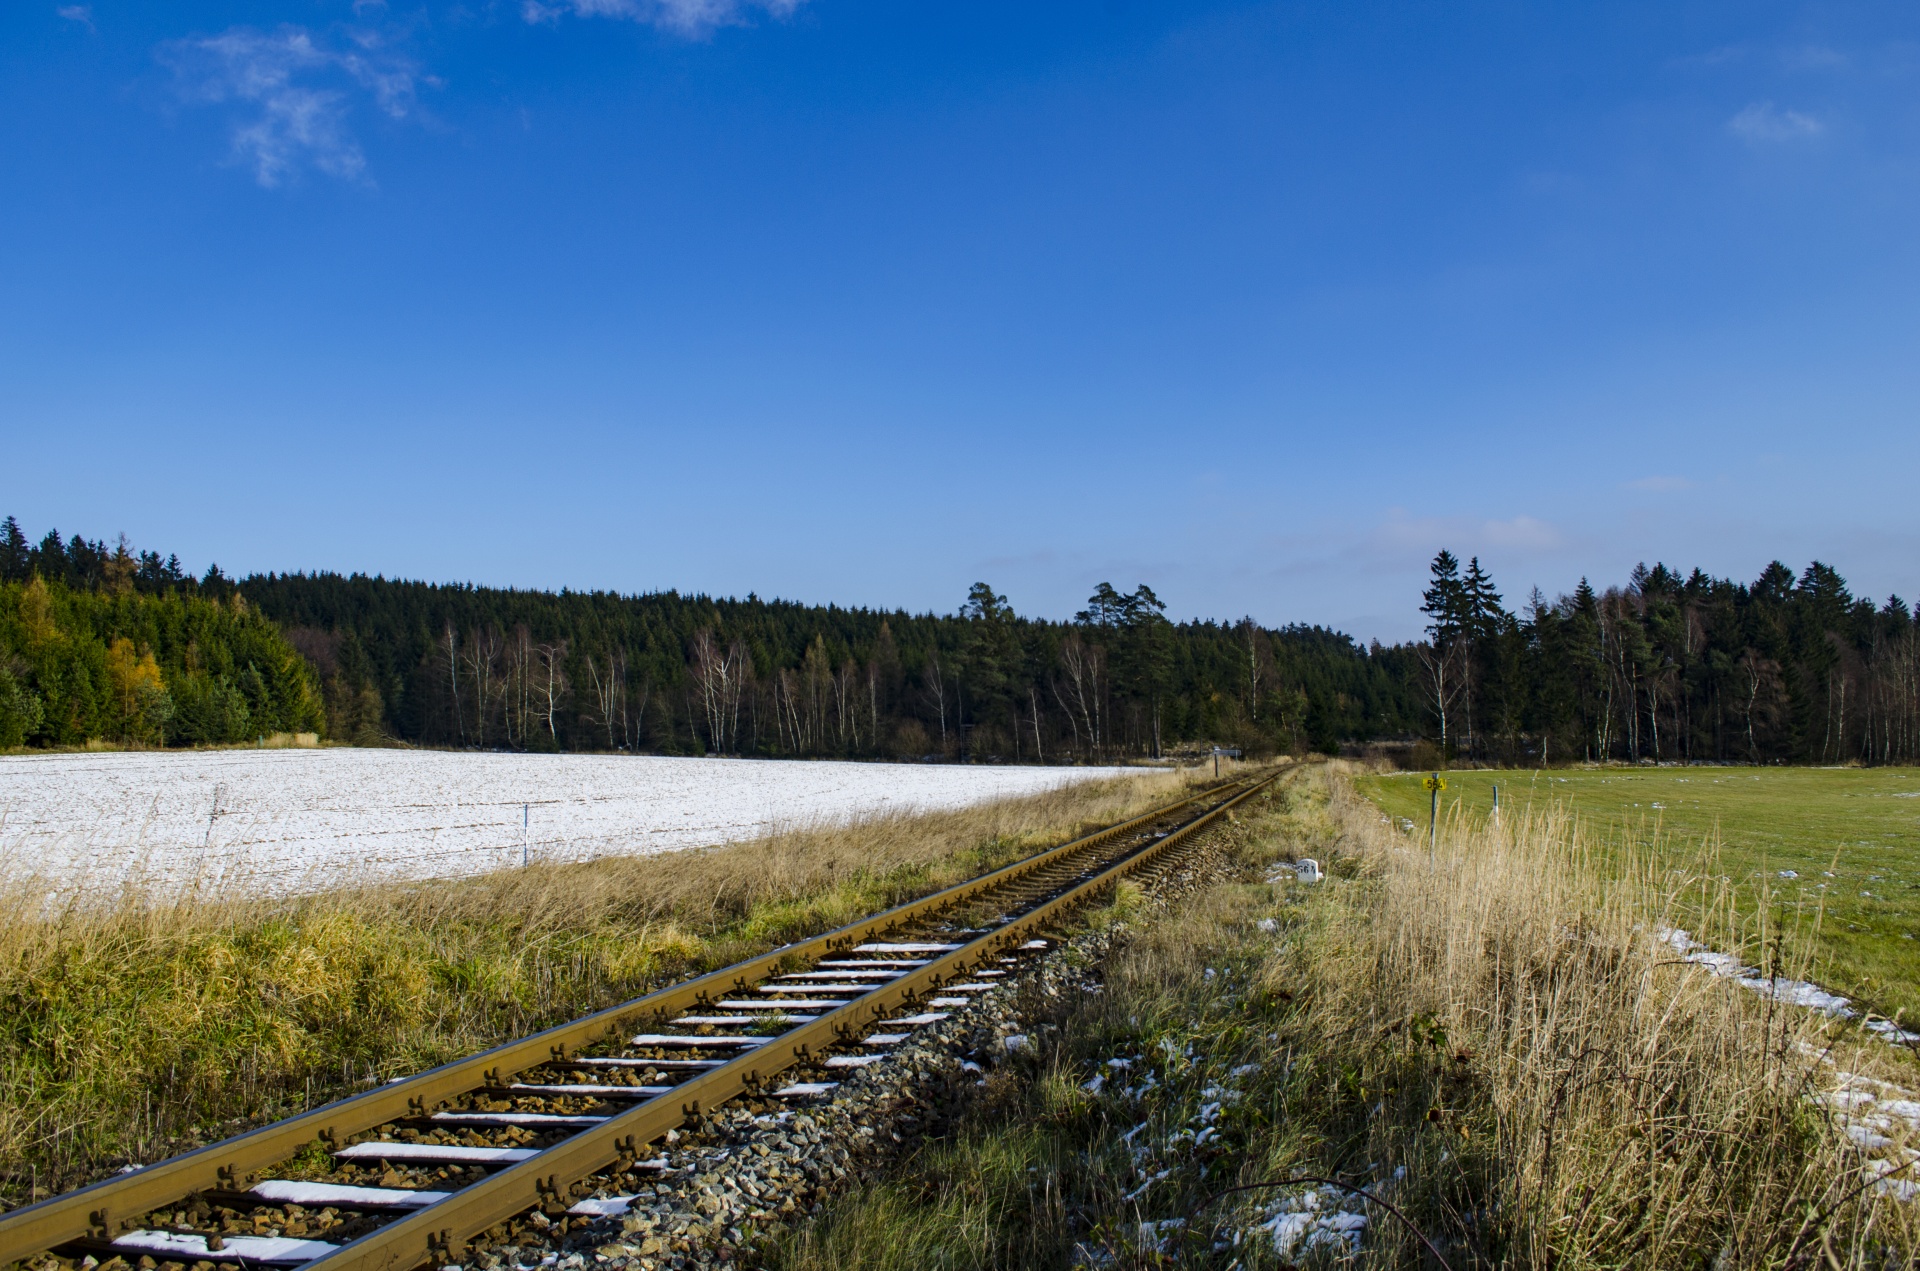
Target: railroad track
(413, 1172)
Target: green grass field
(1849, 836)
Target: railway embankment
(439, 1167)
(1483, 1055)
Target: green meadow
(1837, 850)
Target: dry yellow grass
(138, 1024)
(1596, 1100)
(1560, 1088)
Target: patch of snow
(1316, 1218)
(315, 1195)
(1793, 992)
(1154, 1236)
(278, 1249)
(293, 820)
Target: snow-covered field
(286, 820)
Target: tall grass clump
(1567, 1090)
(144, 1020)
(1495, 1041)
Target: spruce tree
(16, 556)
(1444, 600)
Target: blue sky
(1261, 304)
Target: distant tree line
(493, 668)
(1670, 668)
(105, 644)
(100, 642)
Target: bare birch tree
(1443, 680)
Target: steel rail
(441, 1231)
(100, 1209)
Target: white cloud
(1660, 485)
(81, 13)
(1762, 123)
(692, 18)
(297, 94)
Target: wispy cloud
(295, 93)
(1762, 123)
(1429, 533)
(81, 13)
(1814, 57)
(691, 18)
(1660, 485)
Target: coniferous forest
(114, 644)
(1670, 668)
(465, 666)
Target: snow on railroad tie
(514, 1118)
(632, 1092)
(436, 1153)
(885, 1039)
(929, 1017)
(282, 1191)
(728, 1021)
(672, 1039)
(624, 1061)
(853, 1061)
(281, 1250)
(813, 988)
(810, 1004)
(875, 962)
(907, 948)
(806, 1089)
(847, 974)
